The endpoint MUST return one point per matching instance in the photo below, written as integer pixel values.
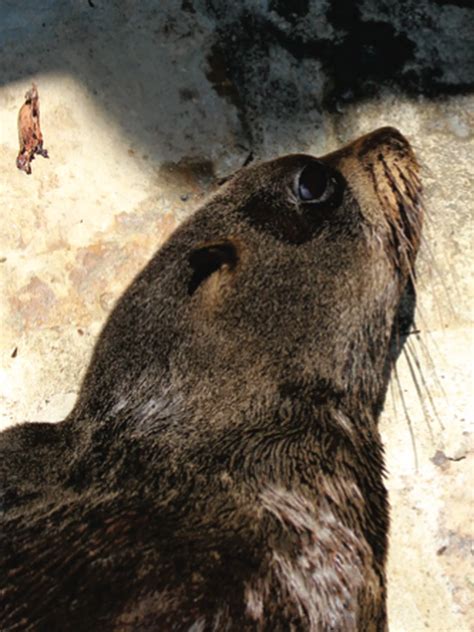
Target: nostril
(389, 134)
(383, 138)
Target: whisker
(430, 361)
(407, 416)
(426, 416)
(439, 314)
(425, 167)
(446, 292)
(393, 397)
(417, 363)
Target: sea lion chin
(222, 468)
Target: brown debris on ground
(29, 131)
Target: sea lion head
(289, 277)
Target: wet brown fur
(29, 131)
(223, 469)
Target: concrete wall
(143, 105)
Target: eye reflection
(313, 181)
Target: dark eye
(316, 183)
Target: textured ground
(143, 107)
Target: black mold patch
(187, 6)
(357, 47)
(467, 4)
(292, 10)
(377, 56)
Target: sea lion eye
(313, 183)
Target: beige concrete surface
(128, 163)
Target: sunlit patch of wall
(73, 234)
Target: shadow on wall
(161, 69)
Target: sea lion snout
(389, 160)
(383, 175)
(383, 139)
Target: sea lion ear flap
(208, 258)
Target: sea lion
(222, 468)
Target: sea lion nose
(383, 139)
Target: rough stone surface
(143, 105)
